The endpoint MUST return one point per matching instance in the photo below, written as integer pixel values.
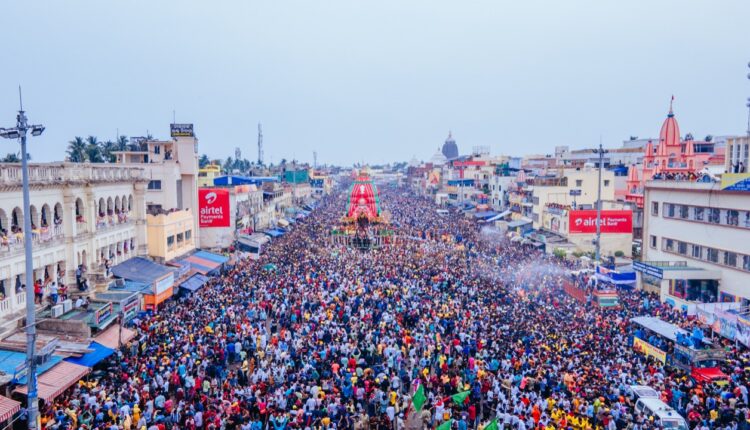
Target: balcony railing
(56, 173)
(82, 227)
(13, 243)
(5, 306)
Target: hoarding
(612, 221)
(735, 182)
(649, 350)
(181, 130)
(213, 207)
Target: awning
(518, 223)
(140, 269)
(8, 408)
(110, 336)
(204, 262)
(273, 233)
(12, 362)
(194, 283)
(484, 214)
(57, 380)
(91, 359)
(282, 222)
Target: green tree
(93, 150)
(108, 148)
(122, 143)
(203, 161)
(77, 150)
(11, 158)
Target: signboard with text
(181, 130)
(612, 221)
(213, 207)
(735, 182)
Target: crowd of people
(320, 336)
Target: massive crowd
(337, 338)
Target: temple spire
(671, 113)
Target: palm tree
(11, 158)
(122, 143)
(203, 161)
(77, 150)
(228, 165)
(108, 148)
(93, 150)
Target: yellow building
(170, 234)
(207, 174)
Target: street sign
(575, 192)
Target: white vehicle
(636, 392)
(442, 211)
(664, 416)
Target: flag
(445, 426)
(461, 397)
(492, 425)
(419, 398)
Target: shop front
(157, 279)
(679, 285)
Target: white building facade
(701, 231)
(81, 214)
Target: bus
(675, 347)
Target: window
(180, 237)
(683, 211)
(154, 185)
(606, 182)
(653, 241)
(579, 182)
(669, 245)
(698, 214)
(712, 255)
(746, 262)
(157, 149)
(682, 247)
(714, 215)
(670, 210)
(730, 259)
(697, 251)
(655, 208)
(733, 217)
(188, 233)
(170, 242)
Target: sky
(374, 81)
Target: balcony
(12, 244)
(60, 173)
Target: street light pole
(601, 151)
(19, 132)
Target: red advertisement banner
(213, 207)
(613, 221)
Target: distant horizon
(378, 82)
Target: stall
(158, 278)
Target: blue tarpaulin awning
(273, 233)
(194, 283)
(91, 359)
(211, 256)
(11, 360)
(485, 214)
(518, 223)
(141, 270)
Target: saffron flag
(419, 398)
(461, 397)
(445, 426)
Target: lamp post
(601, 151)
(19, 132)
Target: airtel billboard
(213, 207)
(613, 221)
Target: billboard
(181, 130)
(213, 207)
(613, 221)
(735, 182)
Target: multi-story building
(92, 215)
(696, 245)
(571, 187)
(171, 234)
(172, 169)
(207, 174)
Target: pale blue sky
(375, 80)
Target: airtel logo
(210, 198)
(579, 221)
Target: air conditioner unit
(57, 311)
(67, 305)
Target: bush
(619, 254)
(559, 253)
(578, 254)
